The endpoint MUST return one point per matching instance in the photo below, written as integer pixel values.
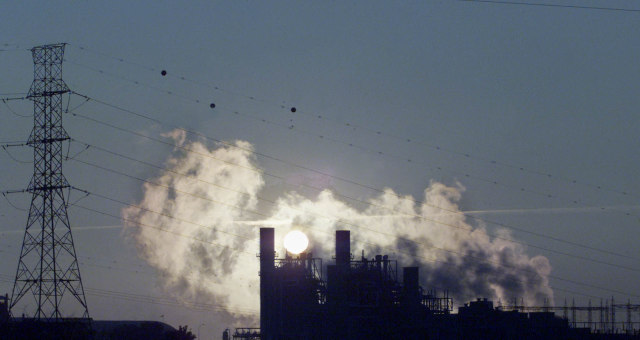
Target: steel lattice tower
(48, 268)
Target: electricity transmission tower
(48, 268)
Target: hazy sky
(531, 109)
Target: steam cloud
(200, 231)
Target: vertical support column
(613, 315)
(267, 267)
(629, 325)
(589, 317)
(573, 312)
(410, 281)
(602, 327)
(343, 247)
(338, 279)
(606, 316)
(385, 266)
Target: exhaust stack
(267, 268)
(343, 247)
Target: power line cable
(357, 226)
(263, 171)
(411, 159)
(13, 98)
(11, 204)
(158, 300)
(4, 101)
(551, 5)
(110, 264)
(161, 229)
(336, 219)
(4, 147)
(14, 143)
(439, 148)
(439, 168)
(168, 215)
(171, 302)
(156, 70)
(9, 47)
(427, 260)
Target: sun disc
(296, 242)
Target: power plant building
(364, 299)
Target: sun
(296, 242)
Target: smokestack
(343, 247)
(337, 287)
(410, 279)
(385, 265)
(267, 258)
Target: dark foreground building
(86, 329)
(83, 329)
(363, 299)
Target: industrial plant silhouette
(358, 298)
(363, 299)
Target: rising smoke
(198, 225)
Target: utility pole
(48, 267)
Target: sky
(513, 122)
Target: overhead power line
(397, 250)
(111, 264)
(476, 258)
(191, 132)
(553, 5)
(376, 132)
(336, 219)
(145, 225)
(158, 300)
(194, 305)
(442, 261)
(263, 171)
(5, 102)
(447, 170)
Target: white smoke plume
(199, 227)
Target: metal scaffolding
(583, 316)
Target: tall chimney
(343, 247)
(338, 277)
(410, 279)
(267, 303)
(385, 265)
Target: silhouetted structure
(48, 267)
(604, 318)
(244, 334)
(363, 299)
(87, 329)
(42, 329)
(4, 308)
(139, 330)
